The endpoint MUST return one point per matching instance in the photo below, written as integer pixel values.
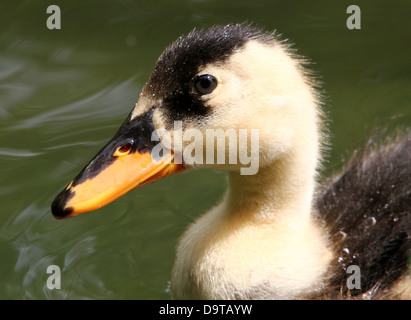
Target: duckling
(277, 233)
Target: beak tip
(58, 207)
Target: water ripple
(19, 153)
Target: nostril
(123, 150)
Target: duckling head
(231, 84)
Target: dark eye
(205, 84)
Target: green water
(63, 94)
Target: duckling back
(367, 211)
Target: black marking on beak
(136, 132)
(58, 206)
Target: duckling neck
(259, 242)
(277, 191)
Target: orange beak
(125, 163)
